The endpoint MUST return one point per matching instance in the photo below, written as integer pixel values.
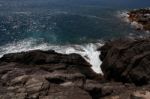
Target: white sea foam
(124, 16)
(87, 51)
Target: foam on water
(87, 51)
(124, 16)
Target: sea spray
(88, 51)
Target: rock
(44, 75)
(20, 80)
(60, 76)
(94, 88)
(127, 60)
(115, 90)
(36, 84)
(141, 95)
(77, 79)
(61, 92)
(67, 84)
(20, 96)
(51, 61)
(142, 17)
(43, 57)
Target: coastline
(138, 18)
(68, 74)
(40, 74)
(87, 51)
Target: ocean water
(66, 26)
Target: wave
(87, 51)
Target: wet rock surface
(50, 75)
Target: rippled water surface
(64, 21)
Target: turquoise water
(66, 26)
(64, 21)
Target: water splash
(87, 51)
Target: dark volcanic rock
(44, 75)
(50, 60)
(50, 75)
(127, 60)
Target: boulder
(127, 60)
(50, 60)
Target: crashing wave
(87, 51)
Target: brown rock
(127, 60)
(44, 74)
(142, 17)
(61, 92)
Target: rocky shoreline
(140, 18)
(49, 75)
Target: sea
(66, 26)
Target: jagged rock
(20, 80)
(127, 60)
(58, 76)
(141, 95)
(94, 88)
(61, 92)
(44, 75)
(36, 84)
(51, 61)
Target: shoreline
(67, 72)
(39, 73)
(138, 18)
(87, 51)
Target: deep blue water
(65, 21)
